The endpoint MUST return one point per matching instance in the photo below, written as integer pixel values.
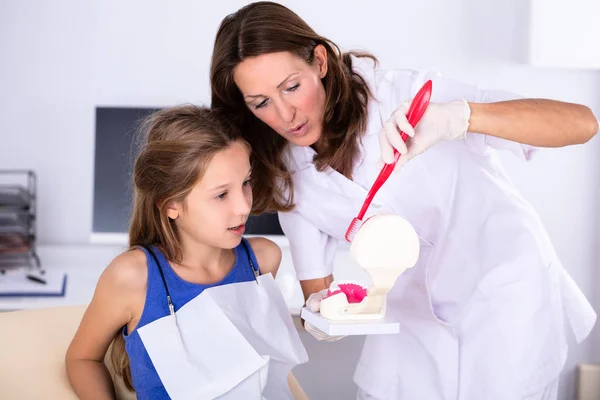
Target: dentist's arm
(312, 253)
(537, 122)
(312, 286)
(268, 254)
(314, 290)
(491, 113)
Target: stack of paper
(28, 282)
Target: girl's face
(216, 210)
(286, 93)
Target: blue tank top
(146, 381)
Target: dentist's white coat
(484, 311)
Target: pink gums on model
(354, 293)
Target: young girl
(192, 200)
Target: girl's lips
(238, 230)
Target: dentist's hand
(441, 121)
(313, 303)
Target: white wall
(563, 38)
(60, 59)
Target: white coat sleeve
(313, 251)
(445, 89)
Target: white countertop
(83, 265)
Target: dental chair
(33, 344)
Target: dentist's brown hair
(266, 27)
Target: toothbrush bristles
(354, 225)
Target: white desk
(84, 264)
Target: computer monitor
(115, 153)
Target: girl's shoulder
(268, 254)
(127, 272)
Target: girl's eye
(222, 195)
(246, 182)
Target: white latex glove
(313, 303)
(441, 121)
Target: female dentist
(483, 311)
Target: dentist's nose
(286, 111)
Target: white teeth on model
(335, 285)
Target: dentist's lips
(299, 130)
(238, 230)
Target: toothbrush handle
(415, 113)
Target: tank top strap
(251, 258)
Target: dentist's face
(286, 93)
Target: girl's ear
(173, 210)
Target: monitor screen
(115, 153)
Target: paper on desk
(225, 342)
(14, 283)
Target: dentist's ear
(320, 60)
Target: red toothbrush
(415, 113)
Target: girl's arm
(118, 300)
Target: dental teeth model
(355, 292)
(384, 246)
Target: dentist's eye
(293, 88)
(246, 182)
(261, 104)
